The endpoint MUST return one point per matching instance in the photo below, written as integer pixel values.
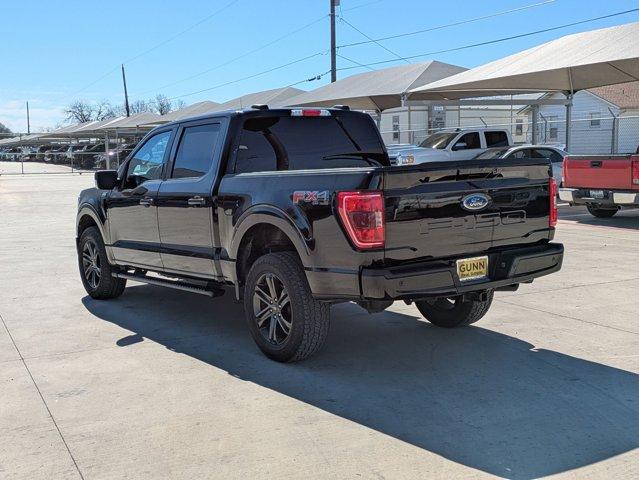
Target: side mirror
(460, 146)
(106, 179)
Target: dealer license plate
(472, 268)
(597, 193)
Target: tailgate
(433, 210)
(599, 171)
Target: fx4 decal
(314, 197)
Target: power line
(279, 67)
(371, 39)
(355, 62)
(490, 42)
(228, 62)
(170, 39)
(360, 6)
(182, 32)
(454, 24)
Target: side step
(178, 285)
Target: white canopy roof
(194, 110)
(379, 89)
(276, 97)
(132, 122)
(575, 62)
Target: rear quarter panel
(267, 198)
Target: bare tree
(162, 104)
(79, 111)
(140, 106)
(4, 129)
(104, 110)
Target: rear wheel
(95, 270)
(602, 212)
(452, 312)
(286, 322)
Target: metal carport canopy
(575, 62)
(377, 90)
(193, 110)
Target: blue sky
(55, 52)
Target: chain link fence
(63, 157)
(589, 134)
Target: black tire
(102, 285)
(454, 312)
(307, 319)
(601, 212)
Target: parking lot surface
(166, 384)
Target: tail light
(362, 214)
(635, 172)
(552, 192)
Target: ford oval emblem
(475, 201)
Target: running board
(187, 287)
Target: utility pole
(126, 95)
(28, 120)
(334, 3)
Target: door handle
(196, 201)
(146, 201)
(596, 164)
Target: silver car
(553, 154)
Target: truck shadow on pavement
(474, 396)
(626, 219)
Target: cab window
(147, 162)
(468, 141)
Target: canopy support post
(535, 115)
(568, 120)
(106, 150)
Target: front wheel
(454, 312)
(284, 319)
(95, 270)
(601, 212)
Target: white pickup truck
(457, 144)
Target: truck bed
(607, 172)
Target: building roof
(623, 95)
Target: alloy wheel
(91, 263)
(272, 309)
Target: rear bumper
(583, 196)
(439, 277)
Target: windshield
(438, 140)
(493, 153)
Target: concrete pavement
(166, 384)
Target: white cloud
(13, 114)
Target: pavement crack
(46, 406)
(569, 317)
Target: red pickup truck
(604, 183)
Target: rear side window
(298, 143)
(552, 155)
(195, 151)
(496, 139)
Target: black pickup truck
(300, 208)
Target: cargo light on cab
(310, 112)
